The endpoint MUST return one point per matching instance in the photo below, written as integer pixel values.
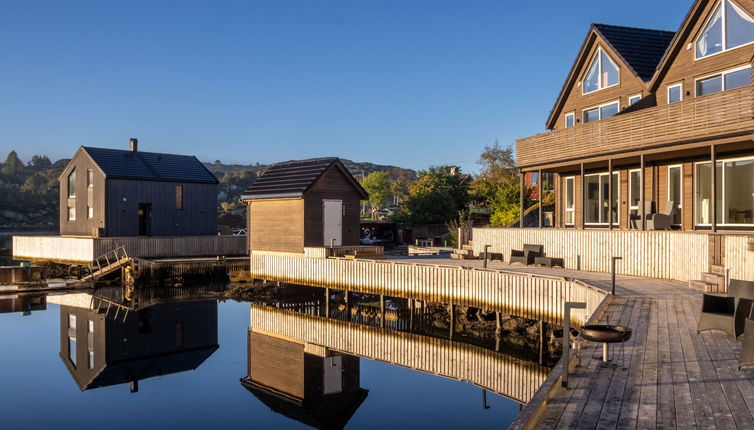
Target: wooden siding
(332, 185)
(681, 256)
(276, 225)
(85, 249)
(696, 118)
(493, 371)
(85, 196)
(198, 216)
(277, 364)
(529, 296)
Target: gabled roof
(121, 164)
(640, 49)
(294, 178)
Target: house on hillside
(642, 118)
(117, 193)
(306, 203)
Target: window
(675, 93)
(91, 359)
(602, 73)
(734, 192)
(72, 184)
(633, 99)
(89, 178)
(723, 81)
(90, 327)
(675, 192)
(728, 28)
(634, 193)
(72, 322)
(89, 212)
(179, 197)
(570, 200)
(570, 119)
(72, 350)
(534, 178)
(596, 188)
(71, 213)
(601, 112)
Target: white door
(333, 222)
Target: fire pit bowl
(604, 333)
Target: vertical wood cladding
(95, 196)
(198, 216)
(277, 364)
(276, 225)
(332, 185)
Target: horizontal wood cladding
(533, 297)
(198, 216)
(276, 225)
(277, 364)
(332, 185)
(716, 115)
(493, 371)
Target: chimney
(133, 144)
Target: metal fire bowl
(605, 333)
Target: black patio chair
(526, 256)
(727, 313)
(747, 346)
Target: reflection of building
(312, 385)
(23, 303)
(101, 350)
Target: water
(206, 344)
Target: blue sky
(410, 83)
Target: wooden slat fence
(524, 295)
(496, 372)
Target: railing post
(521, 199)
(643, 204)
(610, 192)
(613, 260)
(567, 337)
(486, 255)
(713, 162)
(539, 192)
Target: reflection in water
(25, 303)
(100, 348)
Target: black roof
(293, 178)
(641, 48)
(121, 164)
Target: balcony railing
(719, 114)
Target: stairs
(465, 253)
(107, 263)
(712, 281)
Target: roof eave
(246, 197)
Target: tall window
(570, 200)
(602, 73)
(179, 197)
(89, 178)
(72, 339)
(675, 93)
(634, 194)
(675, 192)
(723, 81)
(600, 112)
(570, 119)
(734, 192)
(597, 198)
(728, 28)
(72, 184)
(71, 213)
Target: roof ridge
(632, 27)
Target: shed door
(333, 222)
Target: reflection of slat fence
(496, 372)
(524, 295)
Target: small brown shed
(306, 203)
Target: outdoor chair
(526, 256)
(747, 346)
(661, 221)
(727, 313)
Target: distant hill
(29, 191)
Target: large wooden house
(118, 193)
(642, 117)
(307, 203)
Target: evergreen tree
(13, 165)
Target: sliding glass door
(675, 192)
(597, 196)
(734, 193)
(634, 196)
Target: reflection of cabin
(322, 392)
(22, 303)
(308, 203)
(159, 340)
(115, 193)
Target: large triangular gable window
(728, 28)
(602, 73)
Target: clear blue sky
(411, 83)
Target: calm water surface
(190, 359)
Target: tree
(377, 184)
(39, 162)
(435, 198)
(498, 171)
(12, 165)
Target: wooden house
(100, 349)
(642, 118)
(118, 193)
(307, 203)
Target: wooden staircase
(712, 281)
(107, 263)
(466, 252)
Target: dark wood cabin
(321, 392)
(307, 203)
(115, 193)
(101, 350)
